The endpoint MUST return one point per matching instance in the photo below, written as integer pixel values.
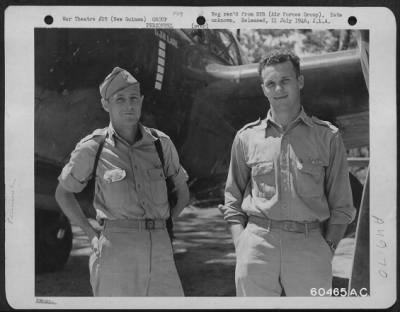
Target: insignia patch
(114, 175)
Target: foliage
(257, 42)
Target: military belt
(135, 224)
(285, 225)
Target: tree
(257, 42)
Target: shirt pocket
(263, 177)
(116, 192)
(158, 186)
(310, 179)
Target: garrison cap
(117, 80)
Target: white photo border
(20, 22)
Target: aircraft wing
(334, 90)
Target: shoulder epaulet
(95, 133)
(250, 125)
(324, 123)
(159, 133)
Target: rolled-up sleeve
(78, 170)
(236, 183)
(338, 189)
(174, 169)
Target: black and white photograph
(202, 161)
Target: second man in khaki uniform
(288, 174)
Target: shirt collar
(146, 136)
(305, 118)
(301, 116)
(268, 119)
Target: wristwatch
(331, 245)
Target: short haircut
(277, 57)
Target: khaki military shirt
(130, 180)
(300, 174)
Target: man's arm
(73, 179)
(236, 183)
(335, 233)
(339, 194)
(182, 194)
(236, 230)
(71, 208)
(177, 177)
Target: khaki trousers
(269, 260)
(134, 262)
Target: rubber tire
(51, 253)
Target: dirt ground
(204, 257)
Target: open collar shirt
(298, 174)
(130, 180)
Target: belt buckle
(149, 224)
(290, 226)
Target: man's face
(282, 87)
(125, 106)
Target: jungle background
(256, 42)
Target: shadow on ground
(204, 253)
(204, 258)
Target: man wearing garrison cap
(132, 254)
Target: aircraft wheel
(53, 240)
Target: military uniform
(283, 184)
(130, 187)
